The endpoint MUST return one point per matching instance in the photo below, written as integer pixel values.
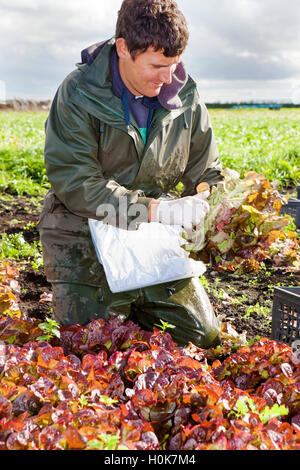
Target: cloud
(231, 41)
(246, 39)
(43, 40)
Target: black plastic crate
(292, 208)
(286, 314)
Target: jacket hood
(89, 54)
(168, 96)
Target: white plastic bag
(150, 255)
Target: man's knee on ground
(76, 303)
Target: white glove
(188, 211)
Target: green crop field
(262, 140)
(21, 153)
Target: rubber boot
(188, 308)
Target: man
(128, 123)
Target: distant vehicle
(269, 106)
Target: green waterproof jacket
(93, 157)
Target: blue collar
(128, 99)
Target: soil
(231, 295)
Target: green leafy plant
(14, 247)
(257, 308)
(106, 442)
(164, 325)
(274, 412)
(240, 299)
(204, 283)
(37, 263)
(242, 406)
(107, 400)
(51, 328)
(245, 404)
(252, 340)
(220, 294)
(81, 402)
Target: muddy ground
(231, 295)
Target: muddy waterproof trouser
(81, 292)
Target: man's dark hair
(152, 23)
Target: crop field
(113, 386)
(261, 140)
(21, 151)
(265, 141)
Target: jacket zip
(99, 102)
(109, 109)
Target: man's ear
(122, 49)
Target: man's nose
(166, 76)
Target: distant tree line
(252, 105)
(20, 104)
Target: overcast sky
(238, 49)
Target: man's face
(148, 72)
